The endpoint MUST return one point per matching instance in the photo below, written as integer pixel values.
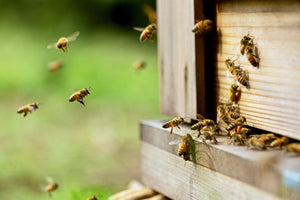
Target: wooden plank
(262, 169)
(177, 57)
(182, 180)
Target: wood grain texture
(273, 101)
(267, 170)
(176, 47)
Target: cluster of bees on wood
(229, 113)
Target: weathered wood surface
(273, 101)
(272, 171)
(176, 48)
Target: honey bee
(79, 95)
(207, 134)
(147, 32)
(245, 131)
(201, 124)
(28, 108)
(244, 42)
(151, 14)
(253, 59)
(186, 147)
(174, 122)
(235, 93)
(279, 142)
(231, 66)
(236, 124)
(51, 187)
(293, 147)
(55, 66)
(267, 138)
(92, 198)
(237, 138)
(203, 26)
(222, 114)
(257, 143)
(139, 65)
(233, 111)
(63, 42)
(242, 77)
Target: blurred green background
(91, 150)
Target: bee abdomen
(252, 60)
(167, 125)
(230, 126)
(242, 80)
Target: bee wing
(139, 29)
(73, 36)
(53, 45)
(175, 142)
(49, 179)
(199, 116)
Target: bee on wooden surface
(151, 14)
(235, 93)
(51, 187)
(253, 59)
(242, 77)
(236, 124)
(79, 95)
(186, 147)
(138, 65)
(267, 138)
(92, 198)
(257, 143)
(28, 108)
(245, 131)
(204, 123)
(207, 134)
(203, 26)
(233, 111)
(55, 66)
(237, 139)
(173, 123)
(147, 32)
(244, 42)
(222, 113)
(231, 66)
(293, 147)
(63, 42)
(279, 142)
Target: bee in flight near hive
(92, 198)
(293, 147)
(79, 95)
(253, 59)
(55, 66)
(279, 142)
(28, 108)
(50, 187)
(147, 33)
(174, 122)
(138, 65)
(236, 124)
(63, 42)
(203, 26)
(244, 42)
(235, 93)
(203, 123)
(186, 147)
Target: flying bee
(231, 66)
(233, 111)
(236, 124)
(147, 32)
(293, 147)
(151, 13)
(92, 198)
(207, 134)
(242, 77)
(50, 187)
(63, 42)
(257, 143)
(222, 114)
(279, 142)
(138, 65)
(174, 122)
(28, 108)
(235, 93)
(186, 147)
(244, 42)
(55, 66)
(79, 95)
(203, 26)
(253, 59)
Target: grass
(87, 150)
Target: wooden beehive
(194, 79)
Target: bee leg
(81, 101)
(171, 130)
(151, 39)
(25, 114)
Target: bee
(147, 32)
(92, 198)
(279, 142)
(174, 122)
(207, 134)
(244, 42)
(253, 59)
(267, 138)
(257, 143)
(79, 95)
(235, 93)
(237, 138)
(245, 131)
(63, 42)
(233, 111)
(242, 77)
(151, 13)
(186, 147)
(236, 124)
(55, 66)
(51, 187)
(139, 65)
(28, 108)
(231, 66)
(293, 147)
(222, 114)
(201, 124)
(203, 26)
